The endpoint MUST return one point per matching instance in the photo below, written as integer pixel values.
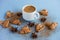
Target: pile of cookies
(14, 18)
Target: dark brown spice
(34, 35)
(12, 29)
(43, 19)
(31, 24)
(19, 14)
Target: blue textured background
(53, 6)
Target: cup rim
(26, 6)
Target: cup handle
(36, 16)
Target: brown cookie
(9, 14)
(39, 27)
(44, 12)
(50, 25)
(47, 24)
(5, 24)
(25, 30)
(15, 21)
(53, 25)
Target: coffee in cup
(29, 9)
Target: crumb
(43, 19)
(45, 33)
(39, 27)
(31, 24)
(25, 30)
(44, 12)
(1, 22)
(34, 35)
(5, 24)
(53, 25)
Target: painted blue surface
(53, 6)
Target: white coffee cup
(30, 16)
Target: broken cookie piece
(15, 21)
(5, 24)
(31, 24)
(53, 25)
(25, 30)
(9, 14)
(50, 25)
(47, 24)
(34, 35)
(39, 27)
(43, 19)
(44, 12)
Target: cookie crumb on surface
(1, 22)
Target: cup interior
(32, 10)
